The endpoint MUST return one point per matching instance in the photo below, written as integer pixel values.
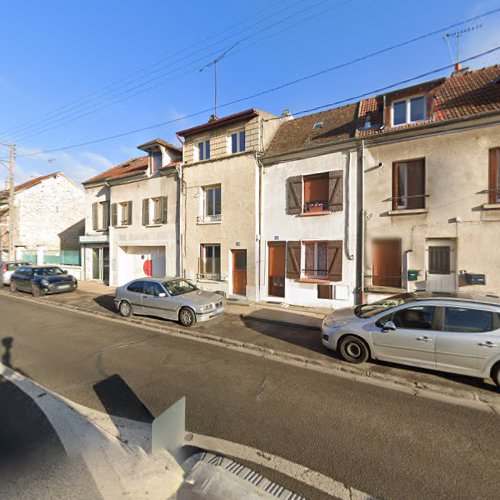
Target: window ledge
(408, 211)
(314, 280)
(122, 226)
(203, 222)
(312, 214)
(491, 206)
(384, 289)
(156, 224)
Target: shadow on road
(106, 302)
(7, 344)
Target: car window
(466, 320)
(136, 286)
(369, 310)
(48, 271)
(153, 288)
(12, 267)
(179, 287)
(416, 317)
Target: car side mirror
(162, 294)
(64, 271)
(389, 326)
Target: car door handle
(487, 343)
(425, 339)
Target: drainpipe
(407, 266)
(181, 235)
(347, 240)
(360, 263)
(259, 228)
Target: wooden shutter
(395, 185)
(164, 209)
(335, 190)
(145, 211)
(95, 222)
(493, 194)
(293, 259)
(105, 215)
(294, 195)
(129, 213)
(334, 260)
(114, 214)
(416, 184)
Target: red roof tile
(33, 182)
(130, 167)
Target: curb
(329, 367)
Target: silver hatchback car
(168, 298)
(450, 332)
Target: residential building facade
(431, 164)
(220, 182)
(309, 211)
(132, 218)
(48, 219)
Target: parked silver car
(7, 268)
(456, 333)
(169, 298)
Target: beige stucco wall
(93, 194)
(237, 176)
(456, 165)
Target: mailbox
(475, 279)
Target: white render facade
(311, 287)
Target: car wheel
(13, 287)
(125, 309)
(353, 349)
(36, 291)
(495, 374)
(186, 317)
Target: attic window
(317, 125)
(368, 123)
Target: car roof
(473, 296)
(152, 278)
(44, 266)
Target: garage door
(137, 262)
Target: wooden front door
(276, 278)
(239, 272)
(387, 263)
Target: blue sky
(59, 53)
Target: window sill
(208, 221)
(201, 278)
(154, 225)
(319, 281)
(384, 289)
(312, 214)
(408, 211)
(122, 226)
(491, 206)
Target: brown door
(386, 263)
(277, 259)
(239, 272)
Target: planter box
(319, 208)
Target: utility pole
(12, 161)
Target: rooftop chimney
(213, 118)
(286, 115)
(458, 71)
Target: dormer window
(408, 111)
(238, 141)
(155, 162)
(204, 150)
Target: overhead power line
(309, 110)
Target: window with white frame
(100, 216)
(210, 261)
(408, 110)
(121, 214)
(316, 259)
(154, 211)
(203, 148)
(238, 141)
(212, 206)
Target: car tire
(186, 317)
(495, 374)
(12, 287)
(125, 309)
(36, 291)
(353, 350)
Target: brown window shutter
(395, 184)
(416, 184)
(336, 190)
(294, 195)
(105, 215)
(334, 259)
(145, 211)
(95, 222)
(129, 213)
(293, 259)
(493, 194)
(114, 214)
(164, 209)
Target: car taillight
(4, 267)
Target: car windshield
(179, 287)
(48, 271)
(369, 310)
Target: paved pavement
(384, 442)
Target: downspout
(259, 227)
(181, 246)
(347, 240)
(360, 267)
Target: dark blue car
(40, 280)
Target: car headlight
(44, 282)
(330, 322)
(206, 307)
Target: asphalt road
(387, 443)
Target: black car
(40, 280)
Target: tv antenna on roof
(457, 35)
(214, 64)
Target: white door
(441, 258)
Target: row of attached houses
(396, 192)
